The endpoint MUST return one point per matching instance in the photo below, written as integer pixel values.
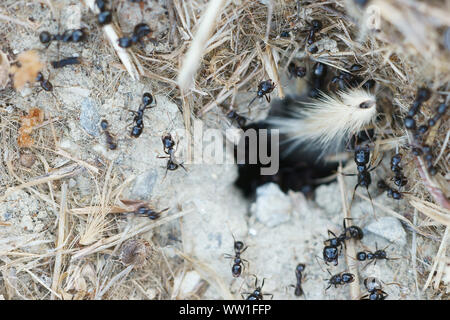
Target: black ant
(149, 212)
(374, 290)
(264, 88)
(379, 254)
(105, 16)
(296, 71)
(340, 279)
(423, 94)
(299, 274)
(399, 179)
(345, 80)
(141, 30)
(316, 25)
(169, 149)
(234, 116)
(65, 62)
(319, 73)
(362, 158)
(112, 145)
(391, 193)
(238, 264)
(330, 251)
(74, 35)
(147, 99)
(257, 293)
(45, 83)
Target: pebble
(89, 117)
(144, 184)
(272, 206)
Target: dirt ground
(184, 249)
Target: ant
(345, 80)
(109, 139)
(340, 279)
(391, 193)
(75, 35)
(330, 251)
(298, 274)
(264, 88)
(361, 158)
(423, 94)
(236, 269)
(319, 73)
(169, 149)
(316, 25)
(399, 179)
(374, 290)
(45, 83)
(149, 212)
(65, 62)
(141, 30)
(295, 71)
(257, 293)
(234, 116)
(105, 16)
(379, 254)
(147, 99)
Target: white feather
(325, 123)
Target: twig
(113, 39)
(350, 248)
(193, 58)
(60, 240)
(437, 259)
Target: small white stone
(272, 206)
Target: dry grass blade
(437, 258)
(432, 211)
(350, 248)
(60, 240)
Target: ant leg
(371, 202)
(252, 101)
(268, 294)
(353, 196)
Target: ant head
(238, 245)
(300, 267)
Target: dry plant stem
(42, 283)
(350, 249)
(271, 67)
(438, 258)
(57, 174)
(431, 210)
(209, 275)
(114, 240)
(113, 39)
(116, 278)
(60, 240)
(193, 58)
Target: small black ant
(316, 25)
(169, 149)
(257, 293)
(264, 88)
(391, 193)
(299, 274)
(296, 71)
(318, 76)
(45, 83)
(73, 35)
(340, 279)
(105, 16)
(147, 100)
(149, 212)
(345, 80)
(399, 179)
(65, 62)
(330, 251)
(141, 30)
(112, 145)
(379, 254)
(374, 290)
(238, 264)
(234, 116)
